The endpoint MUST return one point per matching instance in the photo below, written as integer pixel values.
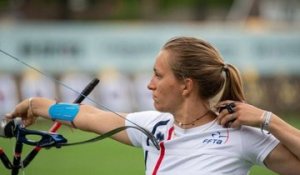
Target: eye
(157, 75)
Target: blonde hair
(197, 59)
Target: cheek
(166, 88)
(168, 97)
(170, 93)
(174, 87)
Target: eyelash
(157, 75)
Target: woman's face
(166, 89)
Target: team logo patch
(216, 138)
(160, 136)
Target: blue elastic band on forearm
(63, 111)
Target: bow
(49, 139)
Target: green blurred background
(117, 40)
(103, 157)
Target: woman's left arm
(285, 158)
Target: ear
(188, 85)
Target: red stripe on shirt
(170, 133)
(161, 156)
(162, 152)
(227, 136)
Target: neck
(193, 123)
(193, 114)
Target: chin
(159, 108)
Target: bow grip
(47, 139)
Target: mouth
(154, 98)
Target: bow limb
(112, 132)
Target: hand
(242, 114)
(23, 110)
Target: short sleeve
(143, 119)
(256, 145)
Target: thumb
(9, 116)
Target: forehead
(162, 61)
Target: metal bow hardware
(52, 139)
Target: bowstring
(67, 87)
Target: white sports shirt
(209, 149)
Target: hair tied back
(225, 67)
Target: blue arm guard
(63, 111)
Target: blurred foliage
(275, 93)
(192, 3)
(4, 3)
(109, 9)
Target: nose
(151, 85)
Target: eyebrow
(156, 71)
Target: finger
(30, 119)
(235, 124)
(227, 109)
(228, 106)
(222, 116)
(8, 116)
(227, 102)
(11, 115)
(223, 103)
(20, 110)
(227, 119)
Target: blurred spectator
(33, 84)
(114, 90)
(8, 93)
(143, 95)
(76, 81)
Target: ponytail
(233, 87)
